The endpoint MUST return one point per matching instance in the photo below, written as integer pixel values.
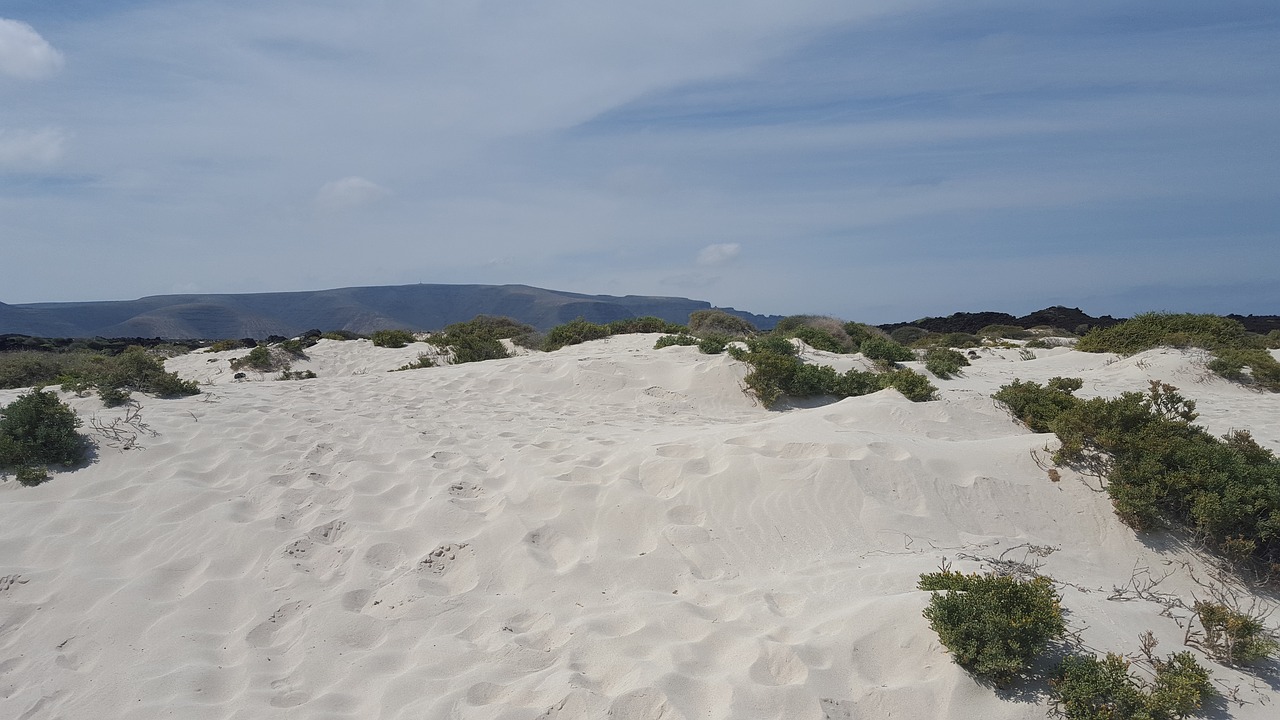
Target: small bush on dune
(705, 322)
(948, 340)
(259, 358)
(994, 626)
(1086, 688)
(423, 361)
(224, 345)
(391, 338)
(821, 333)
(647, 324)
(1264, 371)
(908, 335)
(1037, 406)
(859, 332)
(297, 375)
(678, 339)
(37, 430)
(944, 362)
(914, 386)
(886, 351)
(339, 335)
(574, 332)
(713, 344)
(1152, 330)
(1232, 636)
(771, 343)
(1005, 332)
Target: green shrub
(771, 343)
(1037, 406)
(908, 334)
(1159, 468)
(1264, 371)
(1005, 332)
(224, 345)
(821, 333)
(259, 358)
(678, 339)
(1272, 340)
(495, 327)
(573, 332)
(949, 340)
(134, 369)
(340, 335)
(859, 332)
(423, 361)
(713, 344)
(1086, 688)
(819, 339)
(1232, 636)
(113, 397)
(391, 338)
(944, 362)
(37, 430)
(719, 322)
(1152, 330)
(475, 348)
(647, 324)
(914, 386)
(994, 626)
(296, 347)
(886, 351)
(297, 375)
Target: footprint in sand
(384, 556)
(9, 581)
(778, 665)
(784, 604)
(553, 549)
(643, 704)
(449, 570)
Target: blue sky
(876, 161)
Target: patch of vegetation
(859, 332)
(391, 338)
(259, 358)
(914, 386)
(776, 374)
(993, 625)
(647, 324)
(1152, 330)
(574, 332)
(1263, 370)
(1086, 688)
(908, 334)
(224, 345)
(1005, 332)
(719, 322)
(297, 375)
(479, 339)
(818, 332)
(886, 351)
(713, 344)
(944, 362)
(38, 430)
(677, 339)
(423, 361)
(340, 335)
(1233, 637)
(1159, 468)
(949, 340)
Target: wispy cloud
(30, 150)
(718, 253)
(24, 54)
(348, 193)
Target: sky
(873, 160)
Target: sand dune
(607, 531)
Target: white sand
(604, 531)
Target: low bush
(713, 344)
(886, 351)
(224, 345)
(37, 430)
(423, 361)
(391, 338)
(1264, 371)
(944, 362)
(949, 340)
(908, 334)
(1152, 330)
(339, 335)
(914, 386)
(647, 324)
(1005, 332)
(134, 369)
(771, 343)
(678, 339)
(993, 625)
(259, 358)
(719, 322)
(573, 332)
(859, 332)
(1086, 688)
(1159, 468)
(1233, 637)
(297, 375)
(821, 333)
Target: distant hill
(360, 309)
(1066, 318)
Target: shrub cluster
(259, 358)
(573, 333)
(1152, 330)
(391, 338)
(820, 333)
(1087, 688)
(1158, 467)
(423, 361)
(647, 324)
(115, 377)
(993, 625)
(944, 362)
(677, 339)
(704, 322)
(1232, 636)
(476, 340)
(776, 372)
(886, 351)
(1264, 371)
(38, 430)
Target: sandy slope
(604, 531)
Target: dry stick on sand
(122, 433)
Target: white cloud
(30, 149)
(348, 193)
(24, 54)
(719, 253)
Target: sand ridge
(604, 531)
